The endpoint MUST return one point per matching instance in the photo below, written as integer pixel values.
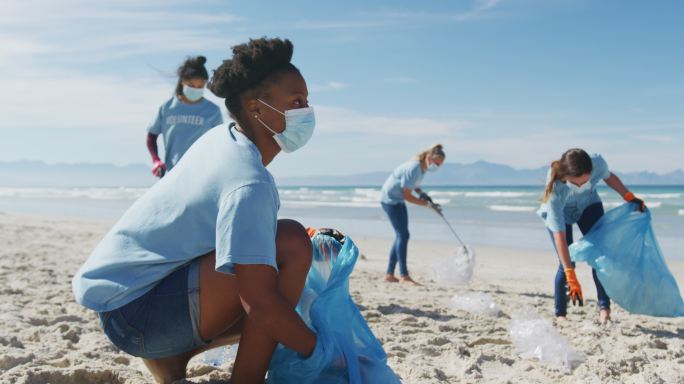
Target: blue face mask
(192, 94)
(579, 189)
(432, 167)
(299, 127)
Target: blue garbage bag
(346, 350)
(623, 250)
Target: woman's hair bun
(251, 63)
(193, 67)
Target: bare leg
(408, 280)
(604, 315)
(170, 369)
(223, 319)
(390, 278)
(293, 255)
(220, 320)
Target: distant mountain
(480, 173)
(39, 174)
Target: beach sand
(45, 337)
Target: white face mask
(192, 94)
(579, 189)
(432, 167)
(299, 127)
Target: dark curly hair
(191, 68)
(253, 65)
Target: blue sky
(514, 82)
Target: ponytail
(555, 176)
(436, 150)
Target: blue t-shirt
(220, 197)
(406, 176)
(566, 206)
(181, 124)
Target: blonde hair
(555, 175)
(574, 162)
(436, 150)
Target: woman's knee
(293, 244)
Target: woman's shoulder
(596, 157)
(410, 165)
(559, 193)
(171, 103)
(600, 167)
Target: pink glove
(158, 168)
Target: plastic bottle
(221, 355)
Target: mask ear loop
(264, 124)
(268, 105)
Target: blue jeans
(161, 323)
(398, 215)
(589, 217)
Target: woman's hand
(630, 198)
(411, 198)
(158, 168)
(617, 185)
(574, 288)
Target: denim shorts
(163, 322)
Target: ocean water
(498, 216)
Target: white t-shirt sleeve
(246, 227)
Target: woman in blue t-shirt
(397, 190)
(201, 259)
(571, 198)
(182, 119)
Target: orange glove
(630, 198)
(575, 291)
(334, 233)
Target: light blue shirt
(220, 197)
(181, 124)
(566, 206)
(406, 176)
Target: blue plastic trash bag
(623, 250)
(346, 349)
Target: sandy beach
(45, 337)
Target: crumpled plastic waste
(475, 303)
(535, 338)
(456, 270)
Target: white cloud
(103, 30)
(13, 45)
(341, 120)
(75, 100)
(479, 9)
(329, 86)
(656, 138)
